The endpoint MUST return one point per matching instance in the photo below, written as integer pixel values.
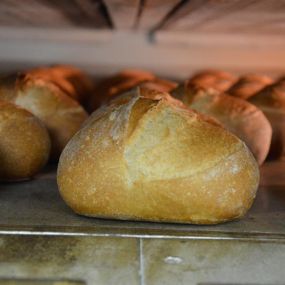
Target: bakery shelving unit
(42, 241)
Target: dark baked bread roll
(216, 79)
(24, 143)
(61, 115)
(112, 86)
(248, 85)
(71, 80)
(271, 100)
(160, 85)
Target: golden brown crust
(147, 157)
(216, 79)
(117, 84)
(271, 100)
(240, 117)
(160, 85)
(62, 115)
(24, 143)
(71, 80)
(248, 85)
(127, 79)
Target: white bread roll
(148, 157)
(24, 143)
(271, 100)
(62, 115)
(238, 116)
(248, 85)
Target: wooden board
(124, 13)
(106, 52)
(155, 11)
(190, 17)
(234, 16)
(53, 14)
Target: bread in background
(160, 85)
(71, 80)
(238, 116)
(24, 143)
(216, 79)
(125, 80)
(271, 100)
(248, 85)
(61, 115)
(146, 156)
(116, 84)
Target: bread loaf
(71, 80)
(238, 116)
(24, 143)
(62, 115)
(218, 80)
(124, 81)
(160, 85)
(248, 85)
(271, 100)
(145, 156)
(117, 84)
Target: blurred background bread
(61, 114)
(115, 85)
(71, 80)
(238, 116)
(271, 100)
(248, 85)
(146, 156)
(216, 79)
(24, 143)
(161, 85)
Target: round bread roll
(218, 80)
(238, 116)
(248, 85)
(71, 80)
(117, 84)
(146, 156)
(271, 100)
(62, 115)
(24, 143)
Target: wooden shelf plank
(106, 52)
(154, 11)
(123, 13)
(235, 16)
(53, 14)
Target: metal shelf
(36, 208)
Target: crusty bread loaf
(238, 116)
(271, 100)
(62, 115)
(146, 156)
(71, 80)
(24, 143)
(216, 79)
(248, 85)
